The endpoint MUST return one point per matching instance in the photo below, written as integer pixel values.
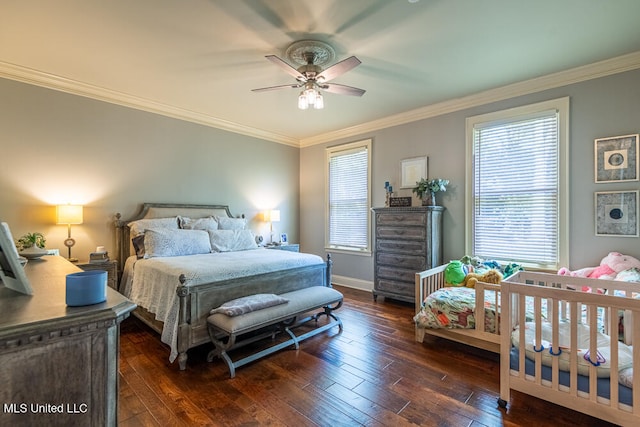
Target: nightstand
(110, 267)
(291, 247)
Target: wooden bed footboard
(429, 281)
(195, 302)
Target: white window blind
(516, 189)
(348, 197)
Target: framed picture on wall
(616, 159)
(412, 170)
(284, 239)
(616, 213)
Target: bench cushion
(300, 301)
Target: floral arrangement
(426, 187)
(31, 239)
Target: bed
(175, 292)
(590, 366)
(472, 307)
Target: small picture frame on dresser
(11, 271)
(284, 239)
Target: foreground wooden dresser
(58, 364)
(408, 240)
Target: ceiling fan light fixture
(311, 95)
(319, 104)
(303, 104)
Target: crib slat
(636, 361)
(573, 362)
(612, 331)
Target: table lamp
(271, 216)
(69, 214)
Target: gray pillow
(232, 240)
(208, 223)
(167, 243)
(138, 227)
(248, 304)
(231, 223)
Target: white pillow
(208, 223)
(231, 240)
(231, 223)
(166, 243)
(137, 227)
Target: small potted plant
(32, 245)
(429, 187)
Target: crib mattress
(625, 394)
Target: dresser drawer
(396, 274)
(396, 232)
(401, 218)
(411, 247)
(396, 288)
(410, 262)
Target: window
(517, 194)
(348, 197)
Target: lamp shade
(271, 215)
(69, 214)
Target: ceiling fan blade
(265, 89)
(286, 67)
(342, 89)
(338, 69)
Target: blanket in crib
(453, 307)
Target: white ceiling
(199, 59)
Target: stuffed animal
(630, 275)
(609, 267)
(472, 262)
(512, 268)
(454, 273)
(491, 276)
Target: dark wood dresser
(58, 364)
(408, 240)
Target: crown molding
(563, 78)
(51, 81)
(587, 72)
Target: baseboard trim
(350, 282)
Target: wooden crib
(570, 309)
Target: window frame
(561, 105)
(329, 153)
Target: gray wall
(58, 148)
(603, 107)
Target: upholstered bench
(228, 332)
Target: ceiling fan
(311, 55)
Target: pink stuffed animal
(609, 267)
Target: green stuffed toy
(454, 273)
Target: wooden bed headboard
(161, 210)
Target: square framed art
(412, 170)
(616, 159)
(616, 213)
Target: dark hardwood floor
(373, 373)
